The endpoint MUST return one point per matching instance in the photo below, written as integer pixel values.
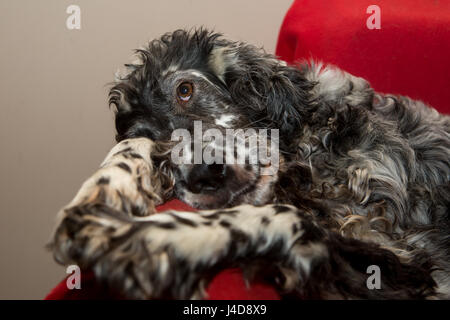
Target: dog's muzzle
(204, 178)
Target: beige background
(55, 125)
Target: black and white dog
(363, 180)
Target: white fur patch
(200, 75)
(225, 120)
(170, 69)
(220, 59)
(333, 83)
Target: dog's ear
(267, 90)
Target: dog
(362, 180)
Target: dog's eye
(184, 91)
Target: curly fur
(363, 180)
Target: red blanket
(408, 55)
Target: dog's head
(188, 78)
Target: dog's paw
(122, 188)
(124, 180)
(159, 257)
(175, 254)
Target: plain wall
(55, 125)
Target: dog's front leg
(174, 254)
(125, 184)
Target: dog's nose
(206, 178)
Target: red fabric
(228, 284)
(409, 55)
